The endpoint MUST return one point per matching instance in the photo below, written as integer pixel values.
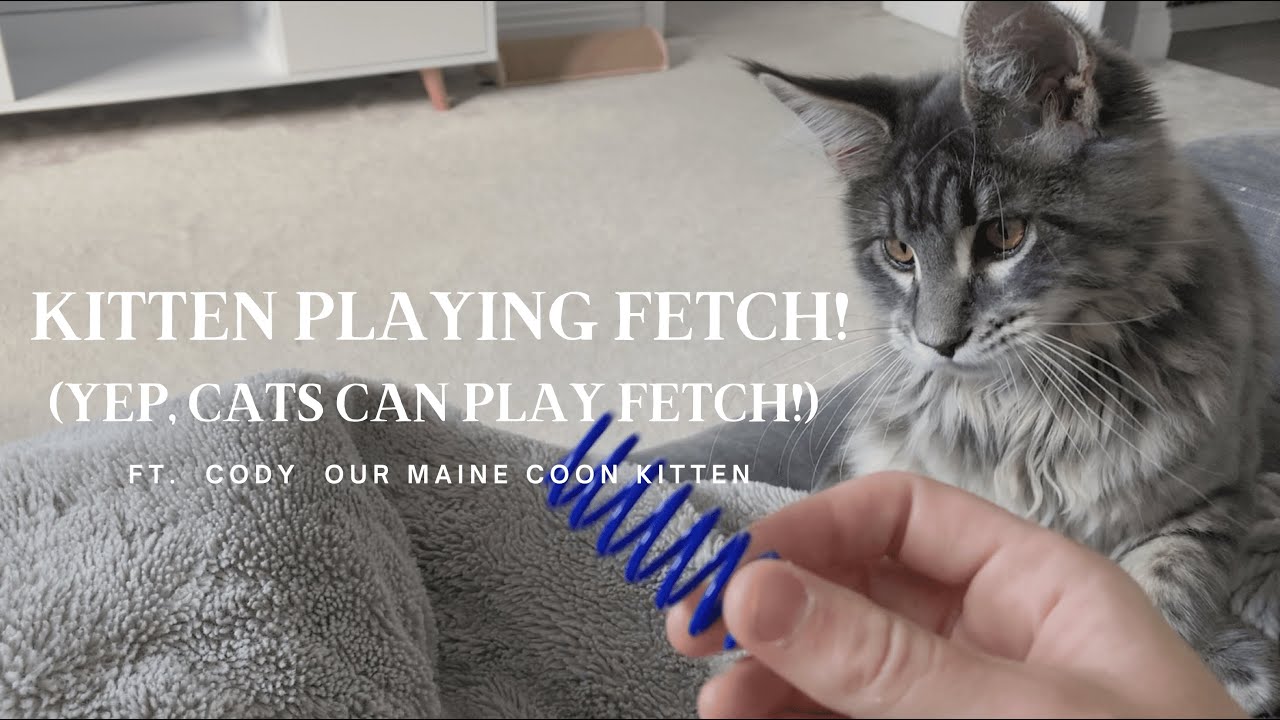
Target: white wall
(1089, 12)
(535, 18)
(944, 16)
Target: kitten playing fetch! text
(1073, 323)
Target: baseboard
(1207, 15)
(538, 60)
(518, 19)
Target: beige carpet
(692, 180)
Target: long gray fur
(1112, 368)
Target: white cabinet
(58, 55)
(322, 36)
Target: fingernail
(779, 607)
(730, 642)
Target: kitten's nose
(947, 348)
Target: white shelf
(61, 55)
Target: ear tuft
(851, 119)
(1028, 73)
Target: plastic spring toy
(617, 508)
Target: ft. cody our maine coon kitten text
(1075, 327)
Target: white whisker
(1103, 322)
(1087, 371)
(795, 434)
(1048, 405)
(854, 406)
(840, 345)
(1156, 403)
(879, 353)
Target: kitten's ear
(1029, 74)
(852, 119)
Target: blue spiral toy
(647, 532)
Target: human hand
(900, 596)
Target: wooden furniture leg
(433, 80)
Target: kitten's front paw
(1255, 597)
(1247, 664)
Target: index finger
(935, 530)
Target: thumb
(854, 657)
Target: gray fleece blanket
(193, 599)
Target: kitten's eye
(899, 253)
(1002, 235)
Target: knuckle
(891, 676)
(869, 656)
(881, 664)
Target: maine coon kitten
(1075, 327)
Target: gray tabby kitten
(1075, 326)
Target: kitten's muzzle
(947, 348)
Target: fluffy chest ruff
(1085, 453)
